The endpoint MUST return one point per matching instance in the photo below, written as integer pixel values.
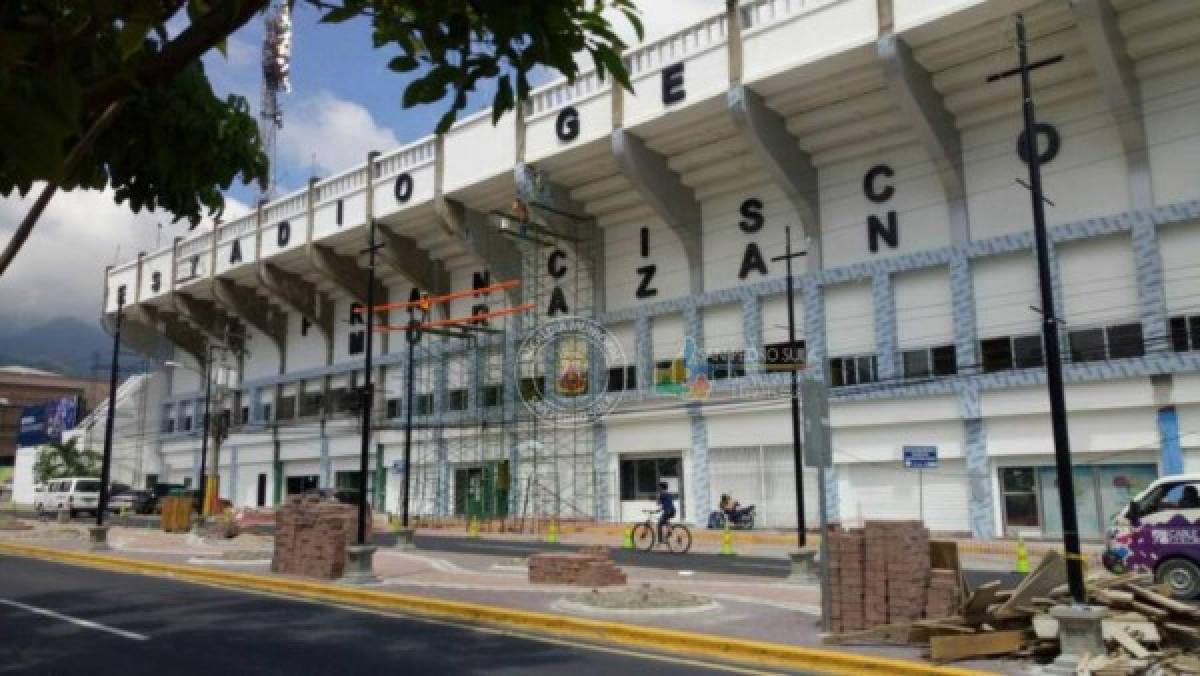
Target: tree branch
(39, 205)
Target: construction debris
(1145, 630)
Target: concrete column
(600, 460)
(1152, 301)
(752, 333)
(326, 478)
(814, 329)
(233, 476)
(196, 467)
(699, 502)
(883, 298)
(1171, 460)
(644, 344)
(962, 297)
(980, 505)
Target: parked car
(73, 494)
(133, 500)
(1159, 532)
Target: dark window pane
(1179, 334)
(718, 366)
(187, 423)
(1018, 479)
(245, 415)
(737, 364)
(628, 480)
(616, 379)
(458, 400)
(866, 369)
(393, 408)
(1020, 510)
(1125, 340)
(997, 354)
(647, 479)
(492, 395)
(1087, 345)
(916, 363)
(423, 404)
(1027, 352)
(631, 377)
(1194, 327)
(944, 361)
(837, 376)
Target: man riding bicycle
(666, 505)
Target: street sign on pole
(814, 397)
(920, 457)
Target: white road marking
(77, 621)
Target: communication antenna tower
(276, 66)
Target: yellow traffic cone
(552, 532)
(1022, 556)
(473, 527)
(627, 540)
(727, 541)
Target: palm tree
(63, 460)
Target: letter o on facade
(283, 234)
(567, 125)
(403, 188)
(1053, 143)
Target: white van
(72, 494)
(1159, 532)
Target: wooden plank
(1193, 632)
(1145, 630)
(1130, 644)
(984, 596)
(946, 648)
(1050, 573)
(1045, 626)
(1164, 602)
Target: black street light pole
(204, 427)
(368, 393)
(797, 460)
(1054, 380)
(106, 463)
(412, 335)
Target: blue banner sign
(920, 457)
(45, 423)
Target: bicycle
(645, 535)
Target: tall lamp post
(99, 533)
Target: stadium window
(1027, 351)
(287, 408)
(1185, 333)
(1086, 345)
(458, 400)
(533, 389)
(723, 365)
(916, 363)
(187, 423)
(244, 415)
(945, 360)
(310, 404)
(492, 395)
(169, 426)
(423, 404)
(621, 378)
(846, 371)
(929, 361)
(996, 354)
(393, 408)
(1125, 341)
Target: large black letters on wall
(404, 187)
(155, 281)
(305, 325)
(554, 264)
(876, 229)
(235, 251)
(752, 217)
(644, 290)
(121, 295)
(871, 188)
(672, 84)
(1053, 143)
(283, 233)
(557, 269)
(752, 260)
(567, 126)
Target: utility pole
(367, 392)
(1054, 381)
(208, 357)
(98, 540)
(793, 369)
(412, 336)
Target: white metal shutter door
(888, 491)
(778, 508)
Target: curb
(645, 638)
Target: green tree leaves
(65, 460)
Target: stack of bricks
(846, 559)
(311, 536)
(590, 567)
(943, 599)
(907, 570)
(875, 586)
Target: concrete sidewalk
(748, 607)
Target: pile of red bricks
(943, 599)
(590, 567)
(846, 580)
(907, 569)
(879, 574)
(311, 536)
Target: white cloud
(332, 133)
(60, 270)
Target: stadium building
(869, 128)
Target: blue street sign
(920, 457)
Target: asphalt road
(58, 619)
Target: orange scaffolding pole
(428, 301)
(456, 321)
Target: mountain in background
(65, 345)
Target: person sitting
(666, 506)
(730, 507)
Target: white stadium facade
(868, 127)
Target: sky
(344, 102)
